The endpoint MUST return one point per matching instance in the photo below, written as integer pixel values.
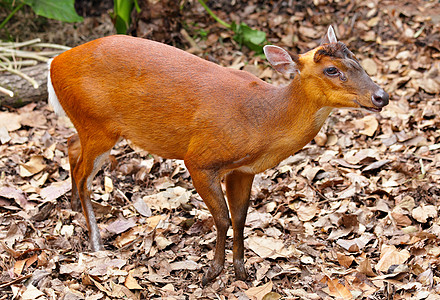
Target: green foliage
(251, 38)
(244, 35)
(122, 14)
(62, 10)
(203, 33)
(196, 29)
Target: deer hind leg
(74, 150)
(94, 149)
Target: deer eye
(331, 71)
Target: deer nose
(380, 98)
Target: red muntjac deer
(222, 122)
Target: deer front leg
(238, 190)
(207, 184)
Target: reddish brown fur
(220, 121)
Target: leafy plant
(62, 10)
(251, 38)
(122, 14)
(197, 30)
(244, 35)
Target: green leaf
(255, 37)
(120, 25)
(62, 10)
(122, 15)
(251, 38)
(138, 8)
(123, 9)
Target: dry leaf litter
(355, 214)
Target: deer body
(221, 122)
(178, 120)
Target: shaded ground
(354, 214)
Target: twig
(50, 53)
(15, 281)
(324, 198)
(190, 40)
(35, 43)
(22, 44)
(9, 53)
(53, 46)
(213, 15)
(23, 63)
(21, 53)
(7, 92)
(122, 195)
(5, 59)
(422, 167)
(21, 74)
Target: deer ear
(330, 37)
(280, 59)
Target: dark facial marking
(336, 50)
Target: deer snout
(380, 98)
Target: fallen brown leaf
(33, 166)
(365, 268)
(16, 194)
(267, 247)
(345, 260)
(32, 293)
(259, 292)
(337, 290)
(423, 212)
(389, 255)
(131, 283)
